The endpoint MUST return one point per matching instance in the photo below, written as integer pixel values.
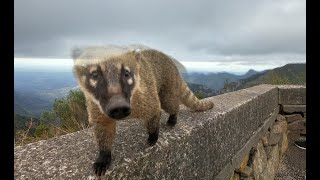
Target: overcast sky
(252, 32)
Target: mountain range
(35, 92)
(216, 81)
(288, 74)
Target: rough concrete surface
(199, 146)
(292, 95)
(294, 108)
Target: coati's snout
(118, 107)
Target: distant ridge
(288, 74)
(216, 81)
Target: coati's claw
(102, 163)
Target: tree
(72, 111)
(49, 117)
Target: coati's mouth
(118, 108)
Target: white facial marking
(137, 50)
(93, 82)
(127, 68)
(94, 100)
(130, 81)
(93, 69)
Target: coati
(129, 82)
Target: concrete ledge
(294, 108)
(292, 95)
(199, 147)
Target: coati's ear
(137, 54)
(80, 70)
(76, 52)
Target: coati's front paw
(153, 138)
(102, 163)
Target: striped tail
(190, 100)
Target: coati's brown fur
(144, 81)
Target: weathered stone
(246, 172)
(279, 127)
(280, 118)
(268, 150)
(259, 161)
(283, 144)
(297, 125)
(294, 108)
(235, 176)
(274, 138)
(244, 163)
(272, 164)
(265, 139)
(303, 132)
(293, 117)
(247, 178)
(248, 147)
(292, 94)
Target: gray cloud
(186, 29)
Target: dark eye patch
(94, 75)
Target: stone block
(268, 150)
(279, 127)
(297, 125)
(292, 95)
(280, 118)
(294, 108)
(272, 164)
(293, 117)
(235, 176)
(274, 138)
(259, 161)
(244, 163)
(247, 178)
(283, 144)
(265, 139)
(246, 172)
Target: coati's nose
(119, 112)
(118, 107)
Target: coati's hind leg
(172, 120)
(152, 125)
(170, 104)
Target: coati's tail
(190, 100)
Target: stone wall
(227, 141)
(263, 160)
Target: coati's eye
(126, 73)
(94, 75)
